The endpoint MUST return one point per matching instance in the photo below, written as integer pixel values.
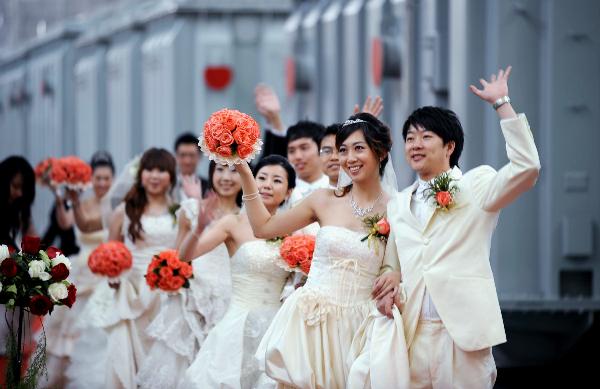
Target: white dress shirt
(303, 189)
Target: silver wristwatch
(500, 102)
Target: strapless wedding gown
(226, 359)
(309, 340)
(185, 317)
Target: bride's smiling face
(272, 182)
(357, 159)
(156, 181)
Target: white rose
(4, 253)
(37, 269)
(58, 291)
(60, 258)
(0, 286)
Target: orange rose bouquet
(71, 172)
(168, 273)
(110, 259)
(297, 251)
(230, 136)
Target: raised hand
(495, 88)
(191, 186)
(206, 211)
(267, 104)
(374, 107)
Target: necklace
(362, 212)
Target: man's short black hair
(332, 129)
(186, 138)
(441, 121)
(306, 129)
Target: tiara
(352, 121)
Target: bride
(258, 274)
(309, 340)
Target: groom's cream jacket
(450, 254)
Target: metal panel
(123, 103)
(310, 57)
(214, 46)
(90, 100)
(15, 97)
(332, 85)
(167, 103)
(354, 52)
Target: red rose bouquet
(167, 272)
(72, 172)
(297, 251)
(32, 280)
(110, 259)
(230, 136)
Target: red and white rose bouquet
(35, 281)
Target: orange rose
(151, 279)
(383, 227)
(244, 150)
(224, 151)
(226, 139)
(165, 272)
(444, 198)
(186, 270)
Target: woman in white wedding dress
(309, 340)
(258, 273)
(124, 309)
(61, 327)
(186, 317)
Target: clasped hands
(387, 292)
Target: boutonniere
(443, 191)
(378, 228)
(173, 208)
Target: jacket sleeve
(493, 189)
(391, 262)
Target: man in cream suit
(451, 314)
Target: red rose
(226, 139)
(152, 279)
(244, 150)
(173, 263)
(165, 272)
(53, 252)
(175, 283)
(11, 250)
(70, 300)
(40, 305)
(9, 267)
(164, 284)
(30, 245)
(443, 198)
(224, 151)
(59, 272)
(186, 270)
(383, 227)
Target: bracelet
(500, 102)
(251, 196)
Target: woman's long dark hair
(377, 135)
(136, 200)
(16, 216)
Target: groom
(441, 243)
